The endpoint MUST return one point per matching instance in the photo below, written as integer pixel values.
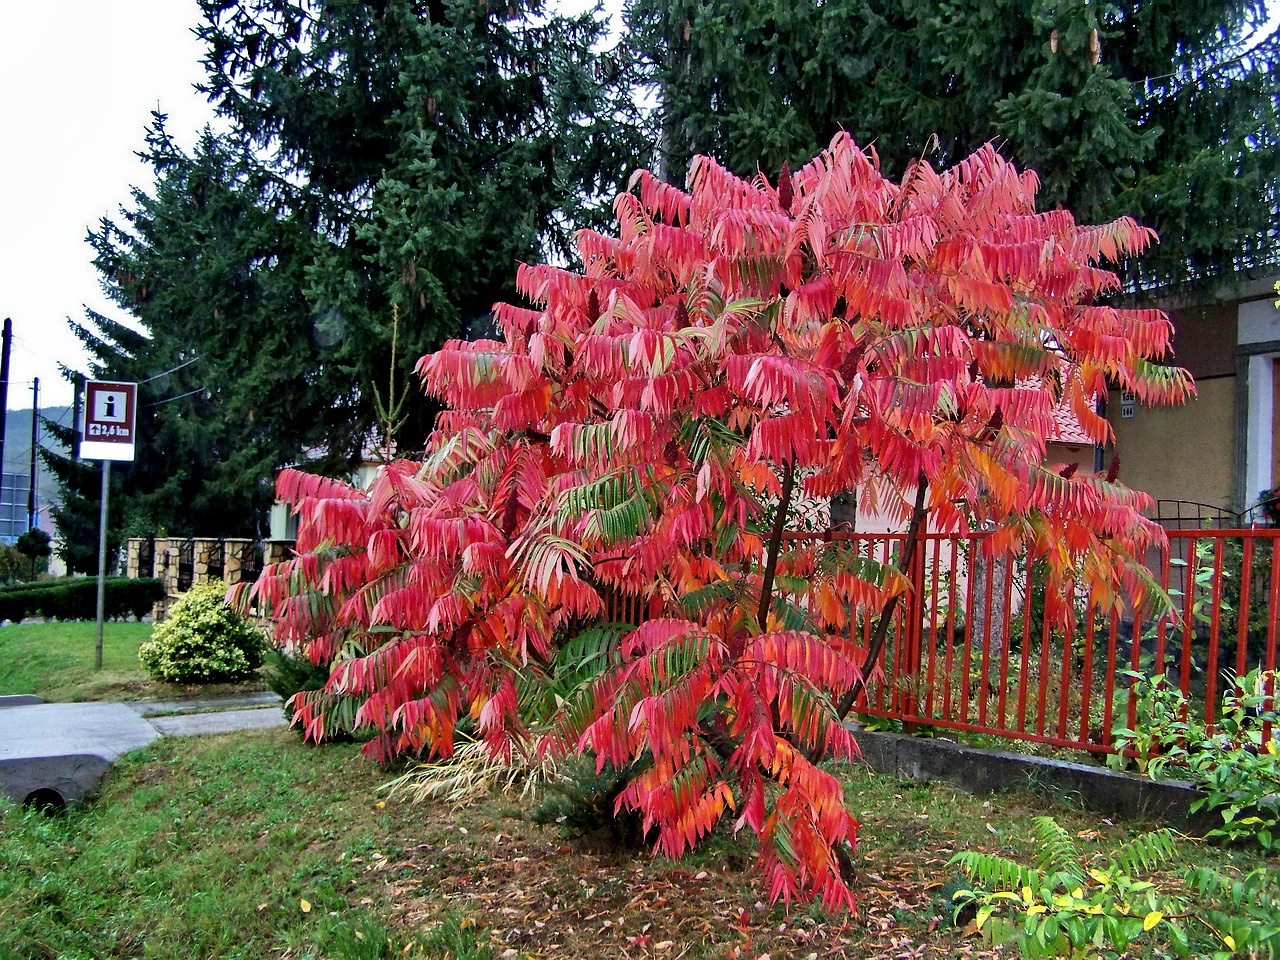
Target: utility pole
(75, 423)
(35, 440)
(4, 389)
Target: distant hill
(17, 449)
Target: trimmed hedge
(77, 599)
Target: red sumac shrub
(736, 345)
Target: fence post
(160, 570)
(133, 560)
(234, 553)
(276, 551)
(913, 630)
(205, 549)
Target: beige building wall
(1180, 453)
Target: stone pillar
(160, 570)
(205, 554)
(235, 554)
(277, 551)
(133, 562)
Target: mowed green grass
(235, 846)
(255, 845)
(56, 661)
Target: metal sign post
(110, 425)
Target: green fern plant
(1067, 907)
(1242, 915)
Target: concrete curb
(1110, 792)
(149, 709)
(20, 700)
(71, 778)
(227, 721)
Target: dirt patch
(541, 896)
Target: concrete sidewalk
(189, 724)
(57, 752)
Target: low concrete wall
(20, 700)
(1109, 792)
(72, 777)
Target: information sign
(110, 420)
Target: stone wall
(229, 560)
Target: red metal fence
(970, 650)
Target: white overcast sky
(78, 82)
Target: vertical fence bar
(878, 690)
(1024, 671)
(1064, 676)
(912, 638)
(1273, 616)
(949, 636)
(1243, 605)
(967, 647)
(868, 691)
(893, 691)
(1188, 615)
(988, 591)
(1086, 668)
(1042, 698)
(933, 625)
(1006, 641)
(1109, 683)
(1215, 626)
(898, 632)
(1162, 624)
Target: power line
(189, 393)
(186, 363)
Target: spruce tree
(380, 169)
(234, 382)
(1159, 110)
(434, 145)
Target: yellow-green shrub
(203, 641)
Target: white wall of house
(1259, 324)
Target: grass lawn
(55, 661)
(254, 845)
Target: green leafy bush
(14, 565)
(76, 598)
(1237, 765)
(203, 641)
(1115, 906)
(1064, 907)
